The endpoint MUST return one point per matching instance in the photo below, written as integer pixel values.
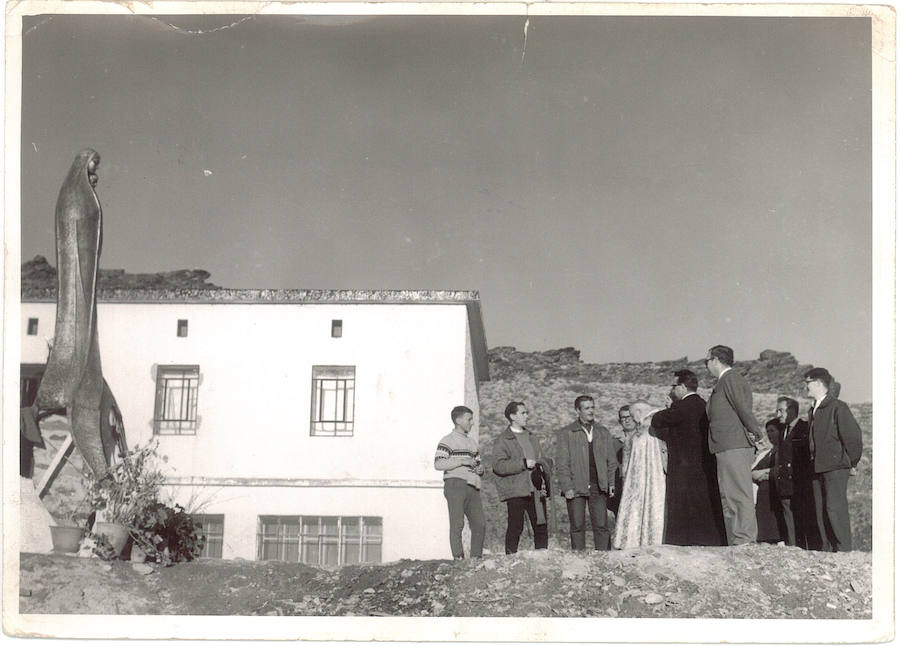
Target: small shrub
(167, 534)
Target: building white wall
(412, 366)
(415, 523)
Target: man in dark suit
(835, 446)
(733, 433)
(693, 510)
(792, 475)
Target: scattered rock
(653, 598)
(142, 568)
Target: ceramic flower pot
(116, 534)
(137, 554)
(66, 539)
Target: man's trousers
(464, 500)
(516, 508)
(736, 491)
(786, 526)
(596, 502)
(832, 511)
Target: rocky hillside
(772, 372)
(39, 277)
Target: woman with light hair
(642, 511)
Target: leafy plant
(130, 486)
(68, 514)
(167, 534)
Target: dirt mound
(660, 581)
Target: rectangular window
(32, 327)
(30, 375)
(213, 527)
(333, 390)
(176, 400)
(278, 538)
(182, 328)
(337, 328)
(324, 540)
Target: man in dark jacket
(693, 506)
(835, 446)
(792, 475)
(514, 456)
(733, 432)
(586, 465)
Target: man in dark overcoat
(693, 508)
(835, 446)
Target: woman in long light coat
(642, 510)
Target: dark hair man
(792, 476)
(835, 447)
(586, 464)
(515, 454)
(458, 457)
(693, 506)
(733, 432)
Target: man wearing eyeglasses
(835, 447)
(693, 508)
(733, 433)
(619, 438)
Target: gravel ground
(758, 581)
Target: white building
(303, 422)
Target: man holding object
(733, 432)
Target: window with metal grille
(175, 412)
(213, 527)
(182, 328)
(333, 391)
(337, 328)
(278, 538)
(32, 327)
(323, 540)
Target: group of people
(694, 473)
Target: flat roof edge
(286, 296)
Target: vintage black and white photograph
(325, 321)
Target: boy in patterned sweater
(457, 456)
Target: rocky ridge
(39, 278)
(772, 372)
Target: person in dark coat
(693, 508)
(768, 506)
(793, 476)
(515, 454)
(835, 443)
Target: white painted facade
(416, 355)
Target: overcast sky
(639, 188)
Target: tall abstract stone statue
(73, 378)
